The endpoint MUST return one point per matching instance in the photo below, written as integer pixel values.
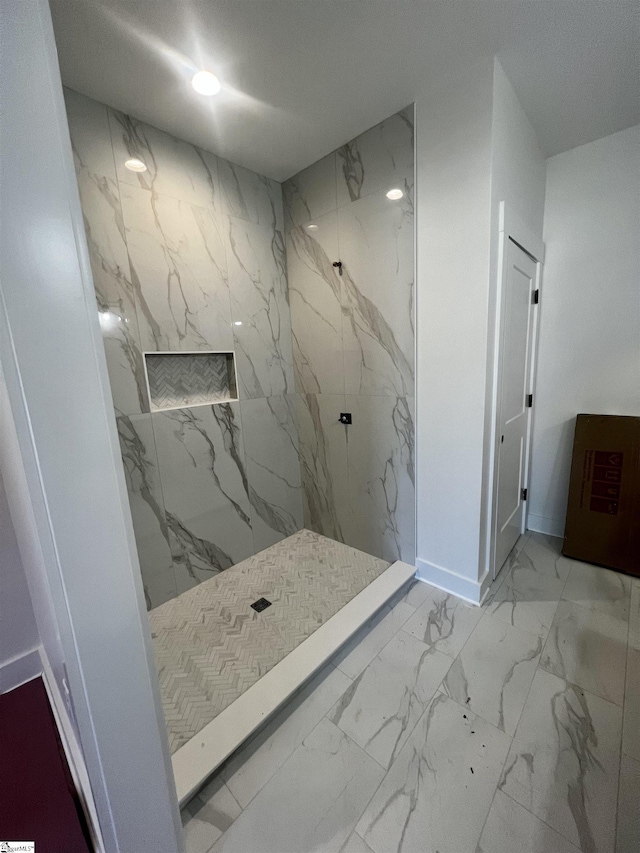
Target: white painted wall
(60, 457)
(517, 179)
(474, 148)
(453, 173)
(19, 640)
(589, 354)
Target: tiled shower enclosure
(192, 256)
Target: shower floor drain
(261, 604)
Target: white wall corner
(20, 669)
(542, 524)
(448, 581)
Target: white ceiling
(301, 77)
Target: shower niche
(179, 380)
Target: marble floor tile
(415, 594)
(438, 791)
(511, 828)
(527, 599)
(260, 309)
(599, 589)
(380, 709)
(210, 813)
(628, 825)
(323, 463)
(631, 727)
(563, 763)
(379, 159)
(371, 639)
(307, 577)
(310, 193)
(444, 622)
(313, 801)
(316, 310)
(273, 468)
(588, 648)
(251, 767)
(493, 673)
(634, 617)
(354, 844)
(543, 553)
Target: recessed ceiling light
(312, 227)
(205, 83)
(395, 194)
(237, 323)
(135, 165)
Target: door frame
(511, 227)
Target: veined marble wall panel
(376, 248)
(177, 256)
(175, 168)
(180, 255)
(247, 195)
(381, 459)
(379, 159)
(104, 226)
(273, 468)
(323, 464)
(260, 309)
(204, 480)
(138, 448)
(310, 193)
(369, 354)
(315, 293)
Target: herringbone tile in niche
(189, 379)
(211, 646)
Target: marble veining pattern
(381, 724)
(353, 334)
(273, 468)
(260, 305)
(189, 256)
(202, 468)
(457, 783)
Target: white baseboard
(194, 762)
(19, 670)
(470, 590)
(542, 524)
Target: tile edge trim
(194, 762)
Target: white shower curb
(194, 762)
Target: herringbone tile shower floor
(210, 645)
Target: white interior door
(514, 402)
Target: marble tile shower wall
(353, 338)
(190, 256)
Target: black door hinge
(529, 401)
(536, 296)
(524, 494)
